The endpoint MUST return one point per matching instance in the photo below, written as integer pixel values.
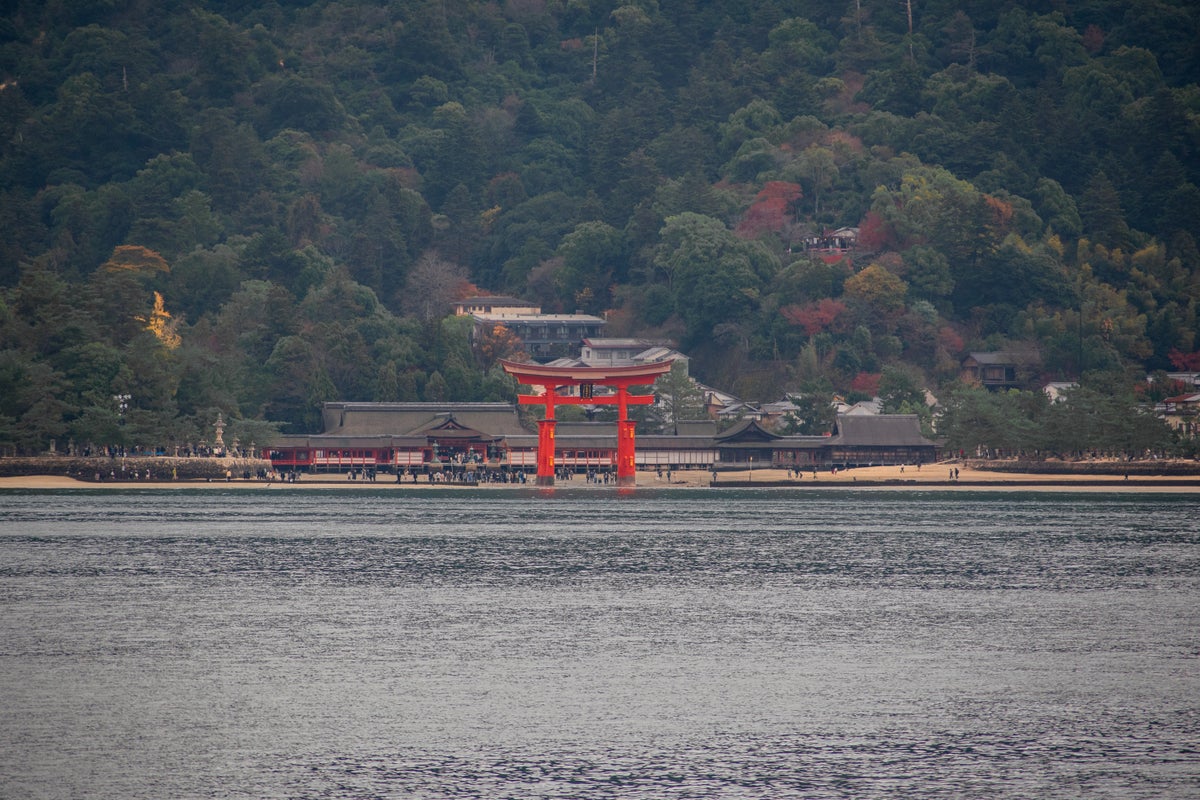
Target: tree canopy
(247, 209)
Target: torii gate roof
(541, 375)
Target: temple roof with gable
(405, 419)
(448, 427)
(746, 431)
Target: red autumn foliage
(866, 382)
(790, 192)
(464, 289)
(771, 209)
(874, 233)
(950, 340)
(814, 317)
(1185, 362)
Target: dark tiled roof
(883, 430)
(992, 358)
(746, 431)
(399, 419)
(696, 427)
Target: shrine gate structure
(586, 378)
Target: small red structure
(586, 378)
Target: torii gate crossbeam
(621, 378)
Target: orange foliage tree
(135, 258)
(814, 317)
(771, 210)
(497, 342)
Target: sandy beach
(934, 477)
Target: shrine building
(423, 438)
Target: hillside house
(601, 352)
(996, 370)
(1182, 414)
(495, 304)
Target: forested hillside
(252, 207)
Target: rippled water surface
(686, 644)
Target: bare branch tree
(433, 284)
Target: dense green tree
(928, 273)
(1102, 417)
(977, 421)
(299, 383)
(716, 277)
(897, 90)
(436, 388)
(901, 390)
(1016, 175)
(679, 399)
(593, 256)
(1100, 211)
(1057, 208)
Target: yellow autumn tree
(877, 288)
(160, 323)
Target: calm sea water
(687, 644)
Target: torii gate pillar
(545, 455)
(587, 377)
(626, 464)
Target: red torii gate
(551, 378)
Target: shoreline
(933, 477)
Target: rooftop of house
(779, 407)
(871, 407)
(1183, 399)
(495, 300)
(605, 343)
(536, 318)
(994, 357)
